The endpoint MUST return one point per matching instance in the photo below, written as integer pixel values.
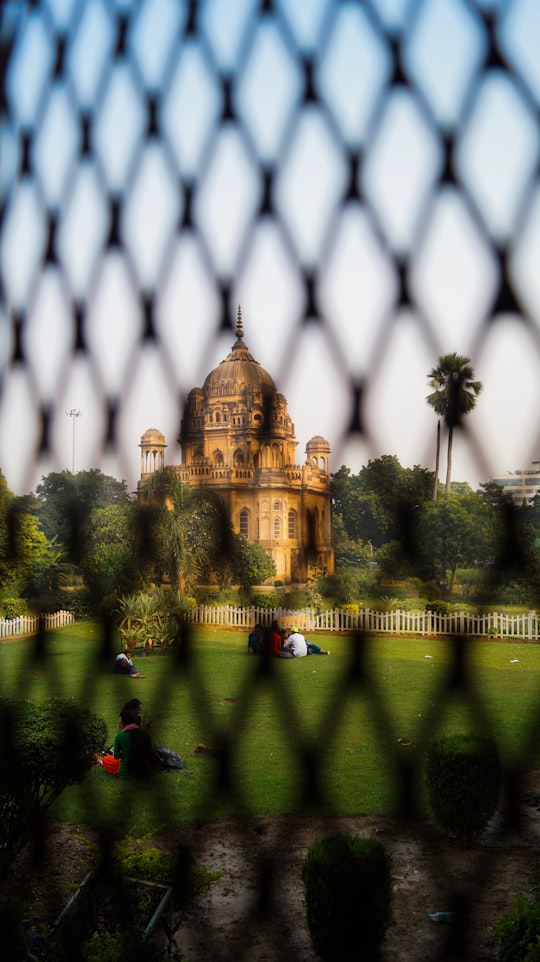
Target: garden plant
(348, 893)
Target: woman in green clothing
(133, 747)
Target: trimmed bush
(517, 934)
(13, 607)
(464, 784)
(439, 607)
(348, 895)
(44, 747)
(266, 600)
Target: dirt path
(234, 922)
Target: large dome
(238, 371)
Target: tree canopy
(385, 515)
(65, 502)
(27, 558)
(379, 503)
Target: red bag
(111, 764)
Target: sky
(448, 233)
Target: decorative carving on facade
(236, 436)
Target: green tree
(454, 532)
(115, 561)
(534, 511)
(381, 503)
(515, 556)
(252, 564)
(66, 502)
(454, 393)
(194, 537)
(392, 561)
(26, 557)
(349, 553)
(47, 572)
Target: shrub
(138, 858)
(439, 607)
(260, 599)
(13, 607)
(109, 916)
(517, 934)
(348, 894)
(44, 747)
(340, 588)
(463, 782)
(152, 617)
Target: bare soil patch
(256, 913)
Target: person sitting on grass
(134, 705)
(124, 665)
(296, 646)
(134, 748)
(255, 640)
(274, 640)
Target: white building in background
(522, 485)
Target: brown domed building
(237, 437)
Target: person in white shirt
(296, 646)
(296, 643)
(123, 665)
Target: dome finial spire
(239, 326)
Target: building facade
(521, 485)
(237, 437)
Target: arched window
(218, 458)
(291, 524)
(277, 528)
(277, 505)
(238, 459)
(244, 522)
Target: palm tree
(454, 394)
(196, 535)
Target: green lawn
(356, 722)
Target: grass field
(313, 735)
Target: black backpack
(167, 760)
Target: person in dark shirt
(133, 747)
(255, 640)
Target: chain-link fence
(363, 176)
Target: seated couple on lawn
(296, 646)
(265, 640)
(293, 646)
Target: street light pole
(73, 414)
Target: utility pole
(73, 414)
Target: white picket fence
(492, 624)
(29, 624)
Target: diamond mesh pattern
(156, 157)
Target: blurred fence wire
(156, 156)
